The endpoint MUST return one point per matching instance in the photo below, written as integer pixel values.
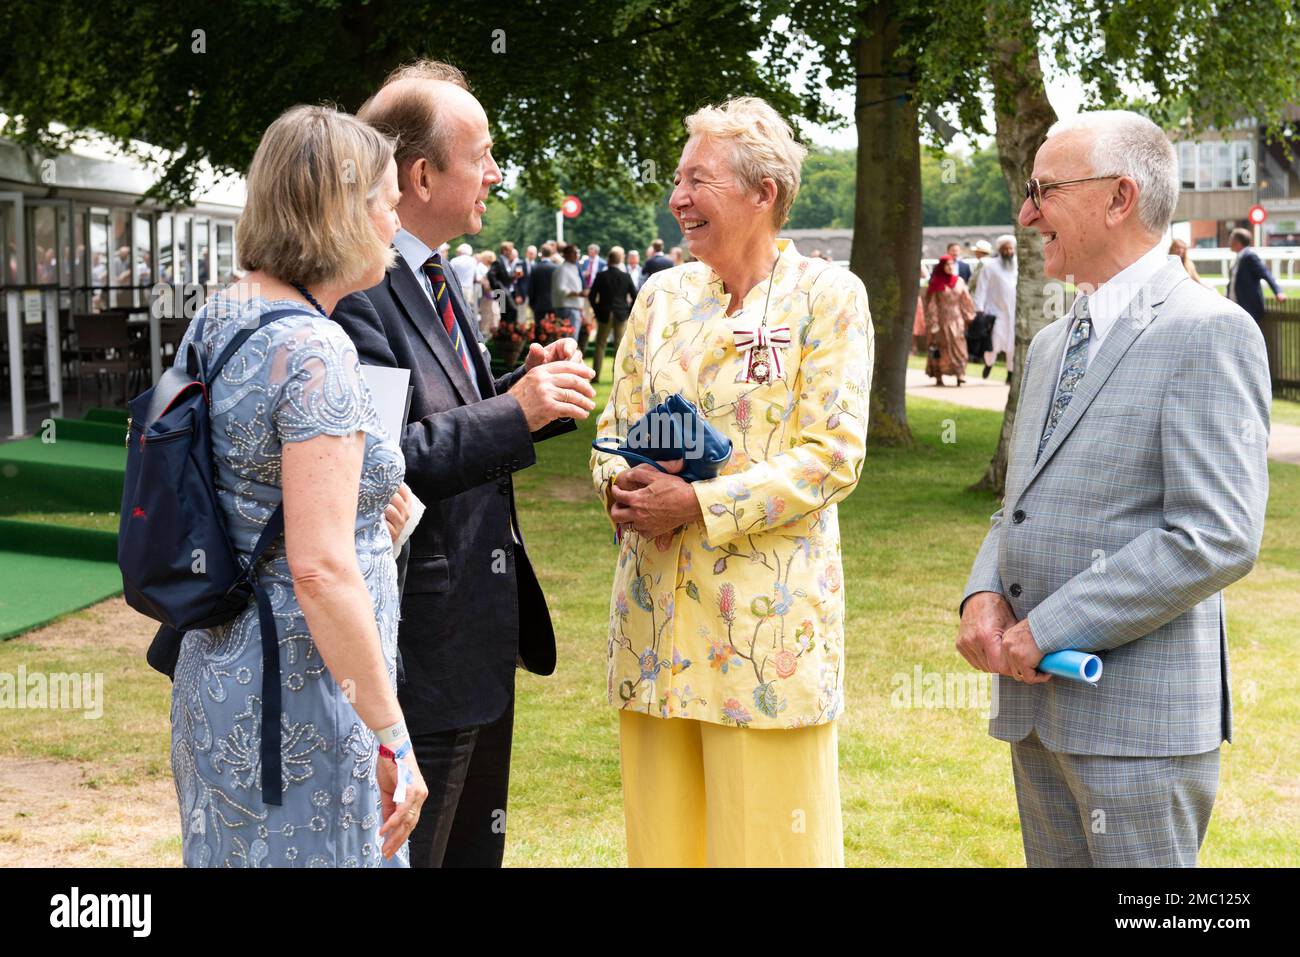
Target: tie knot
(434, 263)
(1083, 319)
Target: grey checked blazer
(1147, 502)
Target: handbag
(672, 430)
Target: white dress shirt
(1111, 298)
(415, 254)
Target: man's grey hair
(1128, 144)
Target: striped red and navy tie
(442, 302)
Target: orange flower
(786, 663)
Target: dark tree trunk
(887, 213)
(1024, 116)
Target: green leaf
(640, 589)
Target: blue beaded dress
(293, 380)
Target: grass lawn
(101, 521)
(920, 787)
(1286, 411)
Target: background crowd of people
(556, 290)
(967, 310)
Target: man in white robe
(995, 293)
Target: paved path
(991, 393)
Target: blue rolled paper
(1075, 665)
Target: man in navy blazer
(539, 287)
(657, 261)
(592, 265)
(963, 267)
(472, 608)
(523, 277)
(1245, 273)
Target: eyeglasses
(1034, 190)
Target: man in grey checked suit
(1135, 494)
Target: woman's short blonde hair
(762, 145)
(307, 213)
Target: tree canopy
(579, 86)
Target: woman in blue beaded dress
(294, 424)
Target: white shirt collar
(1113, 296)
(415, 253)
(413, 249)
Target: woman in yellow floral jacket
(726, 637)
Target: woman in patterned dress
(294, 424)
(726, 634)
(949, 309)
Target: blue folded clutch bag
(673, 430)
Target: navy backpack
(178, 564)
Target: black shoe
(985, 373)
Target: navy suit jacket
(471, 603)
(963, 269)
(582, 269)
(654, 264)
(539, 288)
(524, 269)
(1250, 270)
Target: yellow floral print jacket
(739, 619)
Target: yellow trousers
(698, 794)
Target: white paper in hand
(412, 520)
(388, 386)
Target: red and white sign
(571, 207)
(1257, 214)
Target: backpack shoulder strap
(272, 771)
(242, 336)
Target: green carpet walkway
(52, 564)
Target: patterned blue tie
(1076, 363)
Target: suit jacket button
(1015, 590)
(1018, 516)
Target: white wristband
(393, 734)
